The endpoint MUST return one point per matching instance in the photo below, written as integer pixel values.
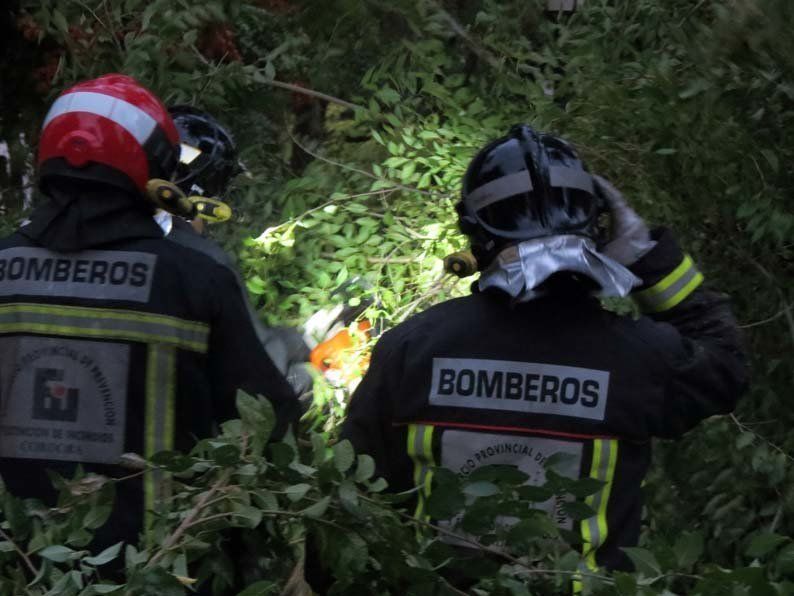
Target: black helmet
(208, 160)
(522, 186)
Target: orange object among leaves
(339, 352)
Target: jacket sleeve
(367, 424)
(237, 359)
(695, 337)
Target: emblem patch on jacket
(462, 452)
(520, 387)
(99, 274)
(62, 399)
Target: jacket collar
(84, 217)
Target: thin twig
(767, 320)
(480, 546)
(458, 29)
(744, 428)
(20, 552)
(313, 93)
(189, 519)
(362, 172)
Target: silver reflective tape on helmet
(562, 177)
(130, 117)
(499, 189)
(521, 268)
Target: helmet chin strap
(520, 269)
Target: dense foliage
(356, 120)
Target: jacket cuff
(668, 275)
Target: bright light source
(188, 154)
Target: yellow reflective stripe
(149, 500)
(104, 324)
(107, 313)
(100, 334)
(682, 293)
(170, 392)
(672, 289)
(595, 529)
(607, 490)
(420, 450)
(670, 278)
(159, 425)
(587, 536)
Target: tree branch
(312, 93)
(28, 563)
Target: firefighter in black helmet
(207, 166)
(530, 365)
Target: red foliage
(28, 27)
(44, 75)
(300, 101)
(217, 43)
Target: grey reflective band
(499, 189)
(131, 118)
(562, 177)
(672, 289)
(102, 323)
(159, 433)
(595, 528)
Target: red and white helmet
(110, 129)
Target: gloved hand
(631, 239)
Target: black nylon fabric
(665, 376)
(80, 215)
(185, 284)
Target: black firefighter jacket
(475, 381)
(129, 343)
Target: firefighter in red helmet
(109, 343)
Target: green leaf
(348, 495)
(688, 548)
(297, 491)
(105, 588)
(257, 416)
(481, 488)
(559, 461)
(770, 157)
(500, 474)
(148, 13)
(105, 556)
(765, 543)
(584, 487)
(60, 21)
(344, 456)
(247, 516)
(365, 468)
(379, 485)
(643, 560)
(258, 588)
(57, 553)
(626, 584)
(577, 510)
(445, 502)
(318, 509)
(785, 560)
